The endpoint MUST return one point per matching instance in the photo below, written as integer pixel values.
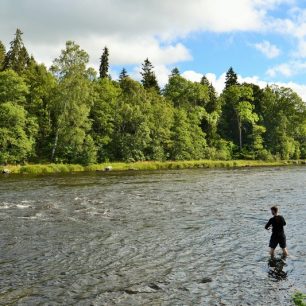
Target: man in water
(278, 235)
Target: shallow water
(186, 237)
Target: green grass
(299, 299)
(146, 165)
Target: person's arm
(284, 222)
(268, 224)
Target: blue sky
(263, 40)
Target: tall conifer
(174, 72)
(2, 54)
(148, 76)
(17, 58)
(204, 81)
(123, 74)
(104, 65)
(231, 78)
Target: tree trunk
(55, 144)
(239, 130)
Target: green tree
(160, 121)
(102, 115)
(184, 93)
(104, 65)
(283, 115)
(131, 134)
(42, 86)
(17, 57)
(188, 140)
(149, 80)
(231, 78)
(17, 134)
(238, 116)
(2, 55)
(123, 74)
(17, 128)
(12, 88)
(204, 81)
(71, 105)
(174, 72)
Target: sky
(263, 40)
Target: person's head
(274, 210)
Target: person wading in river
(278, 235)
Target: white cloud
(294, 27)
(219, 82)
(287, 69)
(301, 49)
(298, 88)
(136, 29)
(132, 29)
(282, 69)
(268, 49)
(192, 75)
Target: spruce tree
(2, 54)
(17, 58)
(231, 78)
(123, 74)
(104, 64)
(204, 81)
(212, 104)
(175, 72)
(148, 76)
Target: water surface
(185, 237)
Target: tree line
(70, 114)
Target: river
(179, 237)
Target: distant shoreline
(144, 165)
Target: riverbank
(146, 165)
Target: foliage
(123, 74)
(17, 57)
(231, 78)
(17, 132)
(12, 87)
(68, 115)
(299, 299)
(2, 55)
(149, 80)
(104, 64)
(38, 169)
(71, 108)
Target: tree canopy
(67, 114)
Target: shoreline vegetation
(71, 115)
(144, 166)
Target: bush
(299, 299)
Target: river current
(181, 237)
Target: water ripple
(189, 237)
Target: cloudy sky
(263, 40)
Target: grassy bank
(299, 299)
(147, 165)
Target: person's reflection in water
(276, 266)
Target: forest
(71, 113)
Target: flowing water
(185, 237)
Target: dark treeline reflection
(72, 114)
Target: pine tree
(231, 78)
(213, 104)
(2, 54)
(104, 64)
(174, 72)
(17, 58)
(148, 76)
(123, 74)
(204, 81)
